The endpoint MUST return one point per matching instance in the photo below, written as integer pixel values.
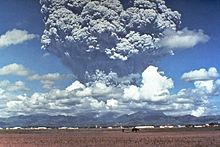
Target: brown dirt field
(111, 138)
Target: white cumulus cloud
(14, 37)
(199, 111)
(75, 85)
(108, 92)
(14, 69)
(207, 86)
(155, 86)
(201, 74)
(48, 80)
(8, 86)
(112, 103)
(182, 39)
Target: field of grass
(200, 137)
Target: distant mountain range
(107, 119)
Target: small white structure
(198, 126)
(181, 126)
(68, 128)
(144, 127)
(207, 125)
(167, 126)
(62, 128)
(15, 128)
(72, 128)
(41, 128)
(109, 128)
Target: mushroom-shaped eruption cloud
(108, 35)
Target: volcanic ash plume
(107, 35)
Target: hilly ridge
(107, 119)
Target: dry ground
(207, 137)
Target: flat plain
(184, 137)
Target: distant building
(72, 128)
(198, 126)
(144, 127)
(213, 124)
(62, 128)
(41, 128)
(15, 128)
(181, 126)
(207, 125)
(166, 126)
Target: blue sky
(51, 73)
(198, 14)
(25, 15)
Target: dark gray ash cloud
(105, 35)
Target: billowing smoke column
(106, 34)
